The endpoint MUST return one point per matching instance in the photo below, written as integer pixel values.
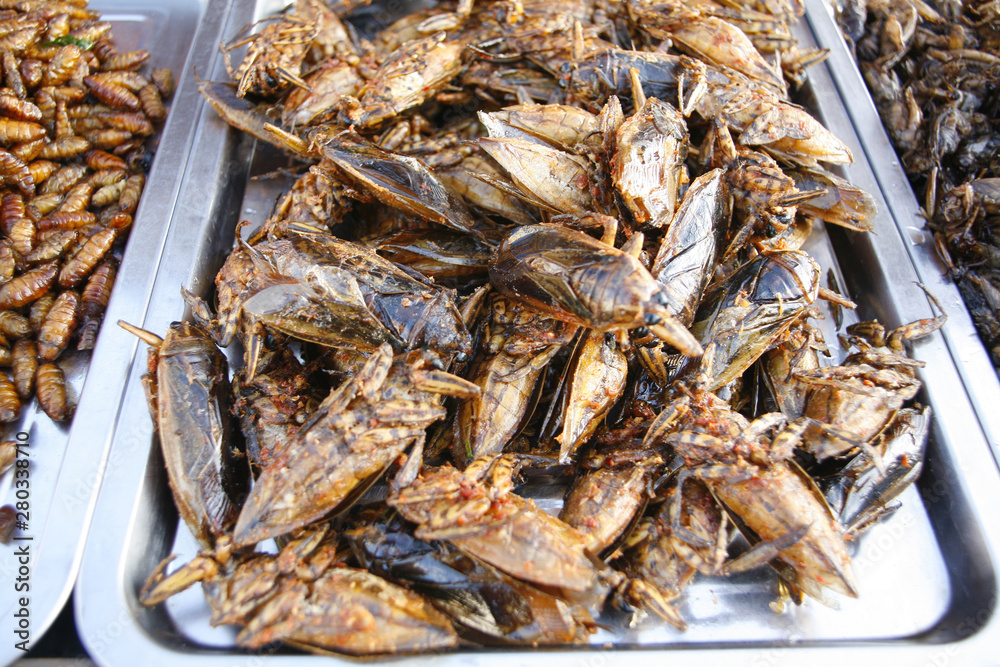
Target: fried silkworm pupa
(163, 79)
(10, 402)
(42, 169)
(61, 67)
(136, 123)
(152, 103)
(8, 454)
(25, 365)
(128, 201)
(11, 209)
(50, 388)
(39, 309)
(6, 358)
(14, 171)
(84, 261)
(8, 517)
(12, 75)
(93, 301)
(104, 177)
(77, 199)
(120, 221)
(98, 160)
(22, 235)
(63, 125)
(7, 260)
(19, 109)
(67, 221)
(112, 94)
(130, 60)
(42, 205)
(29, 150)
(51, 245)
(108, 138)
(19, 131)
(103, 49)
(13, 325)
(28, 286)
(65, 148)
(63, 179)
(57, 328)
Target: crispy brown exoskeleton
(359, 429)
(191, 382)
(477, 512)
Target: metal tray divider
(115, 630)
(58, 546)
(964, 345)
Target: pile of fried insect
(76, 118)
(507, 254)
(933, 69)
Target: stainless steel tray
(69, 461)
(964, 345)
(927, 576)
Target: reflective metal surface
(927, 576)
(69, 461)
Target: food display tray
(927, 575)
(966, 348)
(68, 461)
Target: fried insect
(188, 389)
(476, 511)
(358, 430)
(7, 260)
(517, 343)
(24, 365)
(478, 598)
(25, 288)
(112, 94)
(58, 326)
(751, 475)
(8, 522)
(565, 274)
(93, 300)
(65, 148)
(128, 200)
(13, 325)
(10, 403)
(8, 454)
(650, 149)
(14, 171)
(86, 258)
(39, 309)
(50, 388)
